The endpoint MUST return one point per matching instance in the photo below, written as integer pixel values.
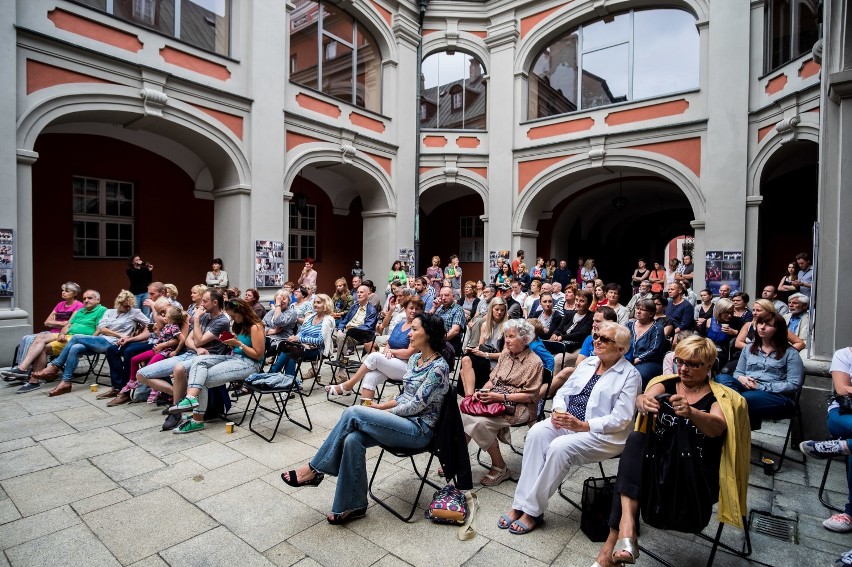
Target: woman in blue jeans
(315, 333)
(406, 421)
(768, 372)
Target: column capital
(379, 213)
(240, 189)
(26, 157)
(754, 200)
(698, 224)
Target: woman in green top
(396, 273)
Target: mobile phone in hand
(226, 335)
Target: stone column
(379, 248)
(232, 234)
(749, 285)
(698, 256)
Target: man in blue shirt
(806, 274)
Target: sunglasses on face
(691, 364)
(602, 339)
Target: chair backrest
(555, 347)
(546, 380)
(360, 336)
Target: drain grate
(776, 527)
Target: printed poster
(269, 265)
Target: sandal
(337, 391)
(290, 478)
(494, 478)
(506, 520)
(337, 519)
(519, 528)
(626, 545)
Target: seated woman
(195, 294)
(304, 303)
(211, 370)
(391, 363)
(742, 313)
(57, 319)
(469, 301)
(768, 372)
(746, 335)
(515, 379)
(709, 409)
(660, 303)
(252, 297)
(406, 421)
(649, 341)
(477, 363)
(280, 321)
(720, 328)
(315, 334)
(590, 422)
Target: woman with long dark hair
(405, 421)
(140, 275)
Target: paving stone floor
(82, 484)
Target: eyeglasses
(691, 364)
(602, 339)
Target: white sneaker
(841, 523)
(337, 391)
(844, 560)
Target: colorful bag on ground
(448, 506)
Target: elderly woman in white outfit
(591, 419)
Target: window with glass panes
(471, 239)
(303, 232)
(103, 218)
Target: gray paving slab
(12, 410)
(390, 560)
(39, 402)
(220, 479)
(216, 548)
(151, 561)
(126, 463)
(326, 544)
(34, 527)
(99, 501)
(78, 446)
(160, 520)
(166, 476)
(24, 461)
(261, 521)
(16, 444)
(276, 455)
(33, 425)
(497, 554)
(72, 546)
(80, 414)
(42, 490)
(213, 455)
(160, 443)
(284, 554)
(8, 511)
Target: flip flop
(523, 528)
(290, 478)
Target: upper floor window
(336, 54)
(453, 89)
(303, 232)
(202, 23)
(791, 30)
(615, 59)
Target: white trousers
(549, 454)
(382, 368)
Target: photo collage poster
(406, 256)
(270, 268)
(7, 262)
(723, 267)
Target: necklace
(424, 361)
(687, 391)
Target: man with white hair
(557, 292)
(643, 293)
(798, 319)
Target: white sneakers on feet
(841, 523)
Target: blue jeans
(344, 452)
(140, 298)
(761, 405)
(165, 368)
(840, 427)
(213, 370)
(289, 365)
(119, 369)
(79, 345)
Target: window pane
(111, 248)
(664, 63)
(111, 231)
(453, 93)
(96, 4)
(608, 31)
(205, 24)
(125, 249)
(806, 26)
(368, 91)
(337, 22)
(155, 14)
(553, 80)
(780, 26)
(605, 76)
(125, 231)
(303, 43)
(337, 70)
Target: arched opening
(614, 215)
(789, 188)
(450, 223)
(453, 92)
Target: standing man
(424, 291)
(453, 316)
(562, 274)
(516, 262)
(686, 269)
(308, 277)
(805, 278)
(680, 312)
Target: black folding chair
(410, 454)
(354, 337)
(794, 415)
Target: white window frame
(299, 229)
(471, 239)
(102, 218)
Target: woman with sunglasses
(591, 418)
(707, 409)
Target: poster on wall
(493, 255)
(7, 262)
(723, 267)
(269, 267)
(406, 256)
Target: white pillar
(232, 236)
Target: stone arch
(806, 130)
(574, 14)
(437, 41)
(465, 178)
(529, 206)
(215, 157)
(371, 19)
(358, 166)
